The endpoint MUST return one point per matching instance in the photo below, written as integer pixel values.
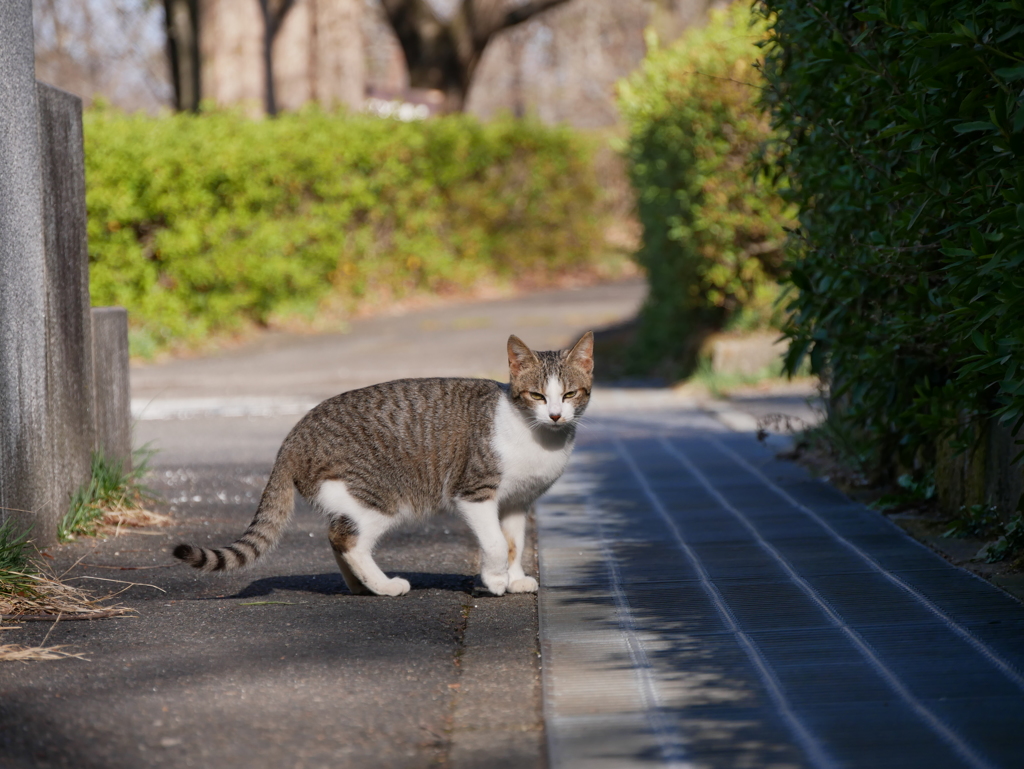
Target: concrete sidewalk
(704, 604)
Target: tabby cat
(370, 458)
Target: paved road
(280, 666)
(703, 605)
(459, 340)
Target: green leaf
(978, 244)
(1011, 73)
(978, 125)
(892, 131)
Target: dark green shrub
(713, 237)
(199, 224)
(901, 129)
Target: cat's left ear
(582, 353)
(520, 357)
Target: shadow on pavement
(333, 584)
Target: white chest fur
(531, 460)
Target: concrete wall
(113, 393)
(70, 394)
(48, 400)
(24, 439)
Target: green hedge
(902, 138)
(712, 234)
(202, 224)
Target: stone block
(70, 397)
(24, 441)
(113, 391)
(745, 355)
(983, 473)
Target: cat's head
(551, 388)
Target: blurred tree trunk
(182, 20)
(232, 61)
(319, 56)
(273, 12)
(265, 55)
(443, 53)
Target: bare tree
(183, 19)
(442, 51)
(265, 54)
(273, 12)
(108, 47)
(182, 22)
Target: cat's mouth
(552, 424)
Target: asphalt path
(280, 666)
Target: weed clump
(18, 573)
(27, 590)
(114, 497)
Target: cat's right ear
(520, 357)
(582, 353)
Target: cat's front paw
(394, 586)
(523, 585)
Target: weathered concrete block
(983, 474)
(746, 355)
(1005, 483)
(70, 397)
(113, 391)
(25, 473)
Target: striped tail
(276, 506)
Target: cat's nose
(555, 417)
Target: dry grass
(113, 500)
(27, 593)
(40, 596)
(18, 653)
(114, 519)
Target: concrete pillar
(113, 392)
(70, 396)
(25, 469)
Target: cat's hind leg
(353, 532)
(513, 526)
(482, 518)
(343, 535)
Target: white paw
(394, 586)
(497, 584)
(523, 585)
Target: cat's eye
(568, 395)
(538, 397)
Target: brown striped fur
(411, 445)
